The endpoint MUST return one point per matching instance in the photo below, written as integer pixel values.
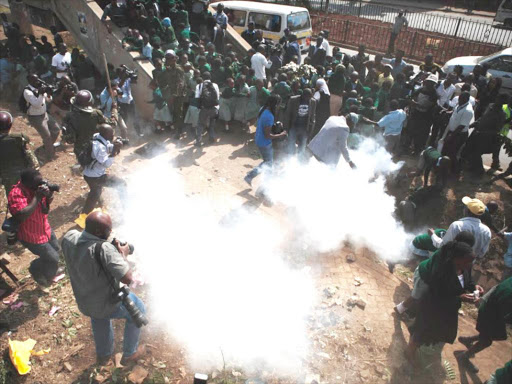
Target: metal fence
(416, 44)
(452, 26)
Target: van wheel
(508, 23)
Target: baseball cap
(475, 206)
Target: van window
(236, 17)
(502, 63)
(507, 4)
(299, 21)
(266, 22)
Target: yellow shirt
(382, 79)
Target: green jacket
(15, 155)
(172, 82)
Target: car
(500, 65)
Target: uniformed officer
(15, 154)
(83, 120)
(174, 90)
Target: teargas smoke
(221, 286)
(334, 205)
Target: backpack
(22, 103)
(208, 96)
(85, 156)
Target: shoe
(42, 281)
(141, 351)
(464, 360)
(103, 360)
(466, 341)
(248, 180)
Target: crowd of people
(320, 103)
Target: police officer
(83, 120)
(15, 154)
(174, 90)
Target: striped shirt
(35, 229)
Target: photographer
(125, 99)
(104, 149)
(29, 203)
(36, 96)
(88, 268)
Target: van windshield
(298, 21)
(266, 22)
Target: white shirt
(325, 45)
(126, 97)
(199, 89)
(455, 101)
(331, 142)
(101, 150)
(62, 63)
(259, 63)
(481, 232)
(444, 94)
(473, 90)
(37, 105)
(461, 115)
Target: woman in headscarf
(322, 97)
(447, 276)
(168, 36)
(336, 87)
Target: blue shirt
(265, 120)
(397, 68)
(393, 122)
(6, 70)
(221, 19)
(106, 103)
(126, 97)
(508, 254)
(147, 51)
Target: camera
(277, 128)
(137, 316)
(123, 141)
(123, 243)
(129, 72)
(44, 87)
(52, 187)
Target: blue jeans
(299, 137)
(48, 262)
(267, 153)
(104, 333)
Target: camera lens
(137, 316)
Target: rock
(365, 373)
(137, 375)
(358, 281)
(68, 366)
(330, 291)
(351, 258)
(76, 170)
(356, 301)
(361, 303)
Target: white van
(272, 19)
(504, 13)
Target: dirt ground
(349, 344)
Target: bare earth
(351, 345)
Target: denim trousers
(103, 331)
(48, 262)
(207, 118)
(267, 153)
(299, 137)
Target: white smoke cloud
(223, 284)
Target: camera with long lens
(51, 186)
(129, 73)
(277, 128)
(123, 243)
(44, 87)
(137, 316)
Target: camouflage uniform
(15, 155)
(81, 125)
(173, 85)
